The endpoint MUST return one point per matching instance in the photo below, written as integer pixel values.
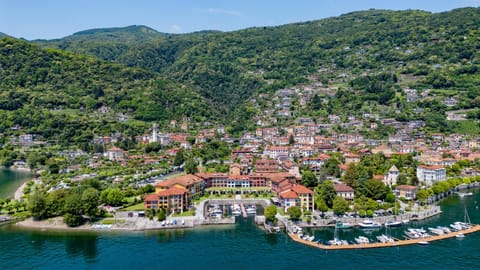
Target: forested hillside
(58, 94)
(230, 67)
(365, 60)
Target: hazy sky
(33, 19)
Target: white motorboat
(423, 243)
(251, 209)
(391, 223)
(385, 239)
(460, 235)
(436, 231)
(369, 224)
(362, 240)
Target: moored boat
(436, 231)
(343, 225)
(362, 240)
(392, 223)
(369, 224)
(385, 239)
(251, 209)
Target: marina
(397, 243)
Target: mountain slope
(229, 68)
(59, 82)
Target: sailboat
(336, 241)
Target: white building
(428, 175)
(391, 177)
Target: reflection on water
(85, 246)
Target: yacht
(362, 240)
(385, 239)
(251, 209)
(391, 223)
(343, 225)
(369, 224)
(236, 210)
(445, 229)
(436, 231)
(464, 194)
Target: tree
(190, 166)
(340, 205)
(390, 198)
(291, 140)
(90, 199)
(327, 193)
(36, 205)
(161, 216)
(179, 158)
(112, 196)
(270, 213)
(72, 220)
(294, 212)
(73, 209)
(422, 195)
(374, 189)
(351, 176)
(321, 205)
(309, 179)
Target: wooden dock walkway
(473, 229)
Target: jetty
(473, 229)
(244, 212)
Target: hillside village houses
(254, 167)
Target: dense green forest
(58, 94)
(230, 67)
(211, 75)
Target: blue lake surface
(239, 246)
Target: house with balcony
(429, 175)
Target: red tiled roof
(435, 167)
(151, 197)
(301, 189)
(406, 187)
(172, 191)
(342, 188)
(288, 195)
(184, 180)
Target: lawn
(468, 127)
(188, 213)
(112, 221)
(135, 207)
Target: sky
(48, 19)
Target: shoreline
(19, 192)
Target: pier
(398, 243)
(244, 212)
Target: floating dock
(398, 243)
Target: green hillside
(364, 60)
(59, 94)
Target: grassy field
(112, 221)
(135, 207)
(184, 214)
(468, 127)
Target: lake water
(10, 180)
(239, 246)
